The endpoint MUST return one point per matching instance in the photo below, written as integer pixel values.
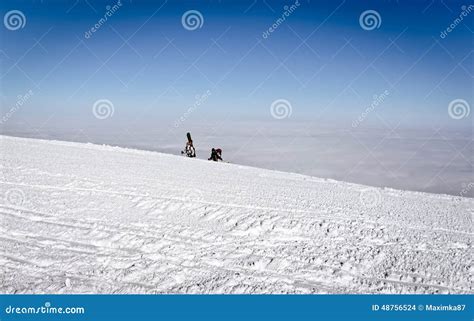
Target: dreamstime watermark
(466, 10)
(192, 197)
(14, 20)
(47, 308)
(281, 108)
(378, 99)
(192, 20)
(192, 194)
(459, 109)
(103, 108)
(110, 11)
(200, 99)
(21, 100)
(288, 11)
(466, 189)
(370, 20)
(370, 197)
(14, 197)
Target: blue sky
(321, 62)
(319, 59)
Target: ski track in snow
(83, 218)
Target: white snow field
(83, 218)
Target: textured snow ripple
(82, 218)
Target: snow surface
(83, 218)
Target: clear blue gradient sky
(320, 59)
(333, 74)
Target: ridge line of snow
(105, 147)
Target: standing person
(189, 149)
(216, 154)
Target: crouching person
(216, 154)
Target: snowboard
(190, 141)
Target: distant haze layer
(429, 160)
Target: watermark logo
(459, 109)
(466, 10)
(378, 100)
(47, 308)
(370, 197)
(110, 11)
(21, 100)
(200, 99)
(103, 108)
(15, 197)
(288, 10)
(192, 194)
(192, 20)
(281, 108)
(467, 188)
(14, 20)
(370, 20)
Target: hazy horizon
(409, 159)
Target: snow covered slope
(82, 218)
